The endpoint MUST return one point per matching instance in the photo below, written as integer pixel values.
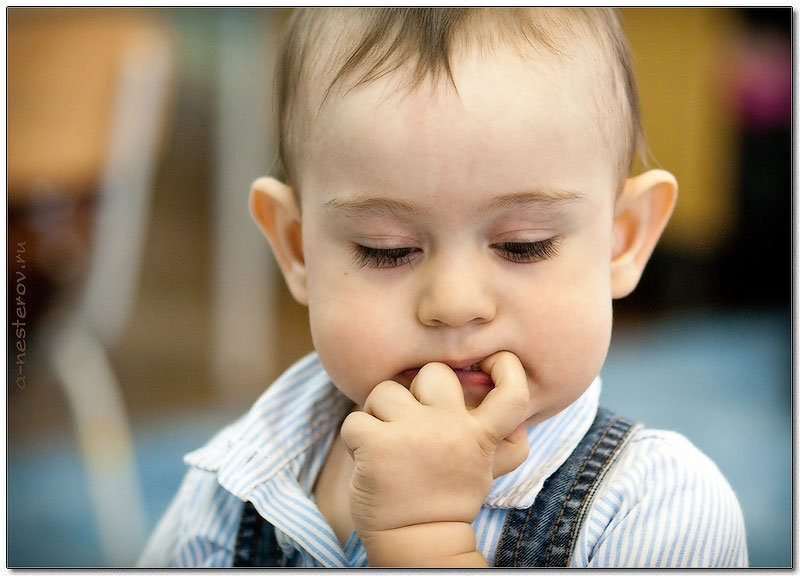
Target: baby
(457, 213)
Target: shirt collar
(551, 442)
(299, 410)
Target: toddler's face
(446, 228)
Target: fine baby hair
(337, 50)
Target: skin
(495, 236)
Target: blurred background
(145, 310)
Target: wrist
(434, 544)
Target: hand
(425, 463)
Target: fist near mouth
(424, 462)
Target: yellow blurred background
(154, 312)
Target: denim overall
(542, 535)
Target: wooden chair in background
(87, 101)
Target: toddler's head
(456, 185)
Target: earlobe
(641, 214)
(275, 209)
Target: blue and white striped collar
(551, 442)
(280, 444)
(272, 455)
(299, 410)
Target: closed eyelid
(386, 241)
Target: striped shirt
(662, 504)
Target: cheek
(564, 358)
(352, 331)
(341, 355)
(574, 327)
(567, 331)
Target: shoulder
(199, 527)
(654, 458)
(663, 504)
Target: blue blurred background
(155, 314)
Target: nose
(455, 296)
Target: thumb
(511, 451)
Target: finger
(504, 407)
(357, 427)
(512, 451)
(437, 385)
(389, 401)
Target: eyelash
(527, 252)
(382, 257)
(517, 252)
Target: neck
(332, 490)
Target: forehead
(548, 41)
(507, 124)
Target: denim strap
(255, 541)
(545, 534)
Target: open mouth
(475, 383)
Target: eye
(526, 252)
(382, 257)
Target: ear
(641, 213)
(275, 209)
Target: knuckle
(380, 390)
(350, 424)
(520, 398)
(383, 388)
(379, 393)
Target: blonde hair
(329, 50)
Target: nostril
(453, 323)
(453, 301)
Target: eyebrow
(383, 207)
(372, 206)
(535, 198)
